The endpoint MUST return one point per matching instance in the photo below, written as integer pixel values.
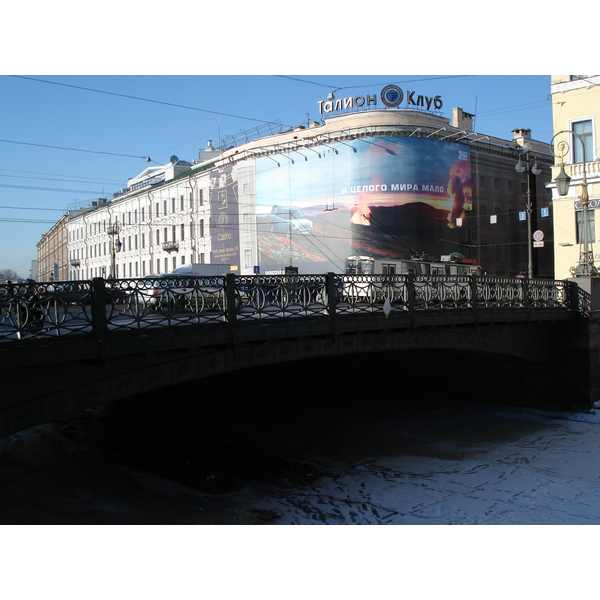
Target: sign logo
(392, 95)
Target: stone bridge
(101, 341)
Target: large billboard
(384, 197)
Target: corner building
(382, 182)
(576, 116)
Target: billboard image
(383, 197)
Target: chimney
(461, 119)
(521, 135)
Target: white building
(155, 225)
(385, 181)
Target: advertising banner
(382, 197)
(224, 218)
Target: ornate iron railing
(42, 310)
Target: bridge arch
(65, 388)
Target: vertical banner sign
(224, 218)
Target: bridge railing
(43, 310)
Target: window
(582, 142)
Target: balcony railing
(170, 247)
(592, 169)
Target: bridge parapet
(100, 307)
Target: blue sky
(71, 139)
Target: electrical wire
(74, 149)
(31, 208)
(79, 87)
(48, 189)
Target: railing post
(99, 298)
(230, 295)
(474, 298)
(526, 292)
(330, 294)
(410, 292)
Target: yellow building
(576, 115)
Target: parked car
(174, 292)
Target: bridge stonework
(59, 378)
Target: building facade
(52, 262)
(383, 182)
(576, 114)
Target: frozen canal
(436, 464)
(428, 463)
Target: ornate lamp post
(522, 167)
(585, 268)
(115, 246)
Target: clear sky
(72, 139)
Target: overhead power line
(71, 180)
(32, 208)
(79, 87)
(146, 158)
(26, 221)
(48, 189)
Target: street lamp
(522, 167)
(115, 246)
(585, 267)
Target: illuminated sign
(391, 96)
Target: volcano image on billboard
(385, 197)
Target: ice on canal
(433, 464)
